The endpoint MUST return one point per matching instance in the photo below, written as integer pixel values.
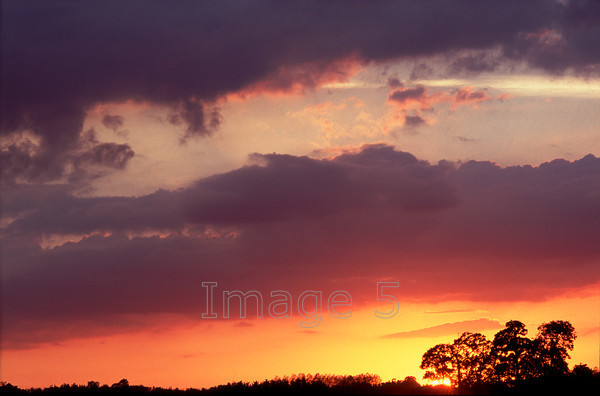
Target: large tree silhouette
(553, 343)
(513, 354)
(437, 362)
(465, 362)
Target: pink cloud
(418, 98)
(412, 103)
(468, 95)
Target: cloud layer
(472, 231)
(60, 59)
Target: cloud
(26, 160)
(471, 231)
(109, 154)
(419, 99)
(467, 95)
(113, 122)
(309, 332)
(281, 188)
(61, 59)
(394, 83)
(473, 63)
(409, 104)
(563, 46)
(414, 121)
(590, 331)
(199, 120)
(449, 329)
(403, 95)
(450, 311)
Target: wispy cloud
(452, 328)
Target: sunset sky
(451, 148)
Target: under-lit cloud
(474, 231)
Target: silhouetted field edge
(363, 384)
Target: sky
(378, 176)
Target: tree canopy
(510, 358)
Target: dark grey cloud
(473, 63)
(113, 122)
(401, 95)
(414, 121)
(23, 160)
(109, 154)
(284, 189)
(16, 158)
(394, 83)
(61, 58)
(281, 188)
(567, 43)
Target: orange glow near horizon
(445, 381)
(204, 353)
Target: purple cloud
(61, 59)
(414, 121)
(113, 122)
(474, 231)
(403, 94)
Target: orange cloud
(417, 98)
(411, 102)
(468, 95)
(297, 79)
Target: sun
(445, 381)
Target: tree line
(300, 384)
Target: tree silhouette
(121, 384)
(437, 362)
(553, 343)
(582, 370)
(473, 359)
(513, 354)
(465, 362)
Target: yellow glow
(445, 381)
(350, 85)
(528, 85)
